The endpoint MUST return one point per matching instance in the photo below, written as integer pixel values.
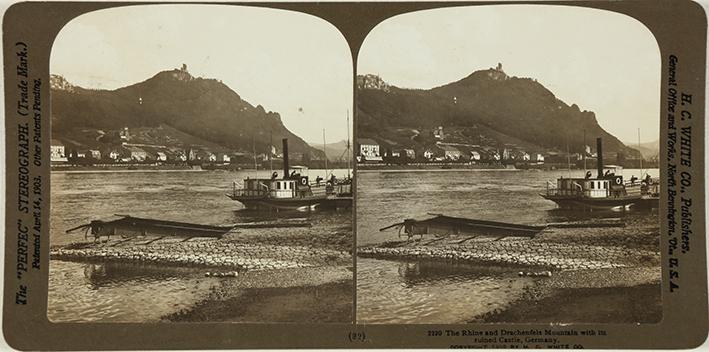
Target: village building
(95, 154)
(58, 153)
(137, 154)
(81, 153)
(160, 156)
(450, 153)
(410, 153)
(181, 156)
(369, 149)
(475, 156)
(124, 134)
(223, 158)
(114, 155)
(438, 132)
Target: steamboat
(608, 190)
(292, 191)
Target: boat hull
(302, 204)
(566, 202)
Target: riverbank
(562, 275)
(68, 168)
(433, 166)
(553, 249)
(248, 275)
(255, 249)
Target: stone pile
(214, 253)
(523, 252)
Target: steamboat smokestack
(599, 153)
(286, 167)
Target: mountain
(335, 151)
(486, 107)
(204, 109)
(649, 150)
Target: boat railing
(255, 193)
(318, 190)
(553, 190)
(566, 192)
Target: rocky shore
(601, 275)
(227, 253)
(555, 249)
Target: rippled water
(398, 291)
(110, 292)
(121, 293)
(435, 293)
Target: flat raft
(128, 225)
(446, 225)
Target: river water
(423, 292)
(139, 293)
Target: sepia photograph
(201, 167)
(508, 168)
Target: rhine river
(109, 292)
(406, 291)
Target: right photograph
(508, 167)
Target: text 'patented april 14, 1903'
(29, 159)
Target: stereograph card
(355, 175)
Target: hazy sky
(604, 62)
(295, 64)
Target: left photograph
(201, 167)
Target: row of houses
(127, 153)
(371, 151)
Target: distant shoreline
(387, 170)
(111, 171)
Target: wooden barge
(448, 225)
(132, 226)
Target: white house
(58, 152)
(224, 158)
(450, 153)
(474, 155)
(137, 154)
(96, 154)
(160, 156)
(369, 149)
(438, 132)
